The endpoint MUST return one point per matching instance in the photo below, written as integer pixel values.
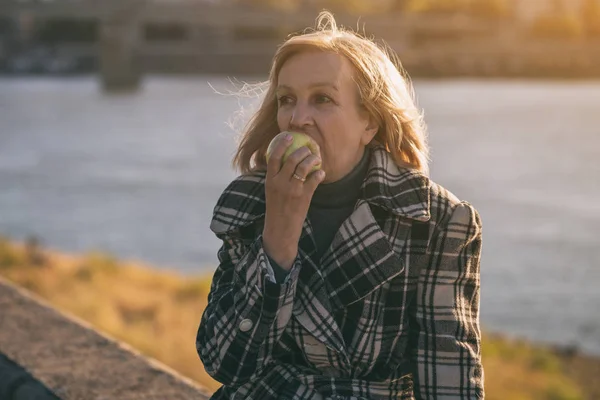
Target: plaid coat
(391, 310)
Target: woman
(356, 281)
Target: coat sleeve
(447, 357)
(246, 314)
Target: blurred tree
(558, 7)
(437, 6)
(400, 5)
(490, 8)
(358, 6)
(557, 23)
(417, 5)
(590, 16)
(284, 5)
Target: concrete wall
(49, 354)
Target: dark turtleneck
(331, 204)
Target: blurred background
(117, 128)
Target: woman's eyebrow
(311, 86)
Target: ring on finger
(298, 177)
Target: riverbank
(157, 312)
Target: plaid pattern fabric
(390, 311)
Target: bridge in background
(129, 37)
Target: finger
(275, 160)
(314, 179)
(290, 165)
(305, 166)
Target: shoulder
(409, 193)
(241, 203)
(447, 209)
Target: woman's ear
(371, 129)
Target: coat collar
(401, 191)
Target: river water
(138, 175)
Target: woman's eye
(283, 100)
(322, 99)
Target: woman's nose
(301, 116)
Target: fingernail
(288, 137)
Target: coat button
(246, 325)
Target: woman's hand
(287, 200)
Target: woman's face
(316, 95)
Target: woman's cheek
(326, 161)
(280, 120)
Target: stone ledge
(76, 362)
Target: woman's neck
(343, 191)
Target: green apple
(299, 140)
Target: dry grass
(518, 370)
(158, 313)
(154, 311)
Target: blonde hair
(384, 90)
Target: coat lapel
(400, 191)
(312, 305)
(359, 260)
